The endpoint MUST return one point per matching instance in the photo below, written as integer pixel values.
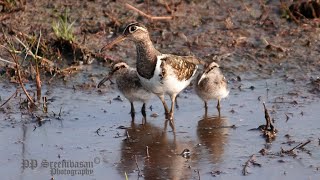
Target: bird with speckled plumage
(162, 74)
(211, 84)
(129, 85)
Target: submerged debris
(291, 152)
(186, 153)
(154, 115)
(216, 173)
(246, 165)
(315, 85)
(147, 151)
(98, 132)
(118, 98)
(268, 130)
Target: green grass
(63, 29)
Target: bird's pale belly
(168, 85)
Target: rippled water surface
(94, 127)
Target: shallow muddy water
(94, 127)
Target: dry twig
(139, 171)
(6, 61)
(147, 147)
(14, 94)
(284, 7)
(269, 131)
(70, 70)
(246, 165)
(112, 18)
(299, 146)
(38, 79)
(35, 56)
(147, 15)
(274, 47)
(20, 79)
(17, 66)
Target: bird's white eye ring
(132, 29)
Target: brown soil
(258, 39)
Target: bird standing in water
(129, 85)
(211, 84)
(159, 73)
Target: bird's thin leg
(205, 105)
(166, 109)
(165, 125)
(218, 106)
(205, 109)
(171, 123)
(143, 112)
(132, 112)
(173, 99)
(176, 101)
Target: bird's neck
(146, 58)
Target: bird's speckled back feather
(183, 69)
(130, 86)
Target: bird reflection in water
(165, 161)
(212, 132)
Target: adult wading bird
(159, 73)
(129, 85)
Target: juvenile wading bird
(159, 73)
(129, 85)
(211, 84)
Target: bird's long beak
(105, 79)
(201, 78)
(116, 41)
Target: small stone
(154, 115)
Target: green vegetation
(63, 29)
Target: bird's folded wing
(183, 66)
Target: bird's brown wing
(183, 66)
(130, 80)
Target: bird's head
(116, 70)
(118, 67)
(136, 32)
(211, 67)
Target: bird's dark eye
(211, 68)
(132, 29)
(122, 66)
